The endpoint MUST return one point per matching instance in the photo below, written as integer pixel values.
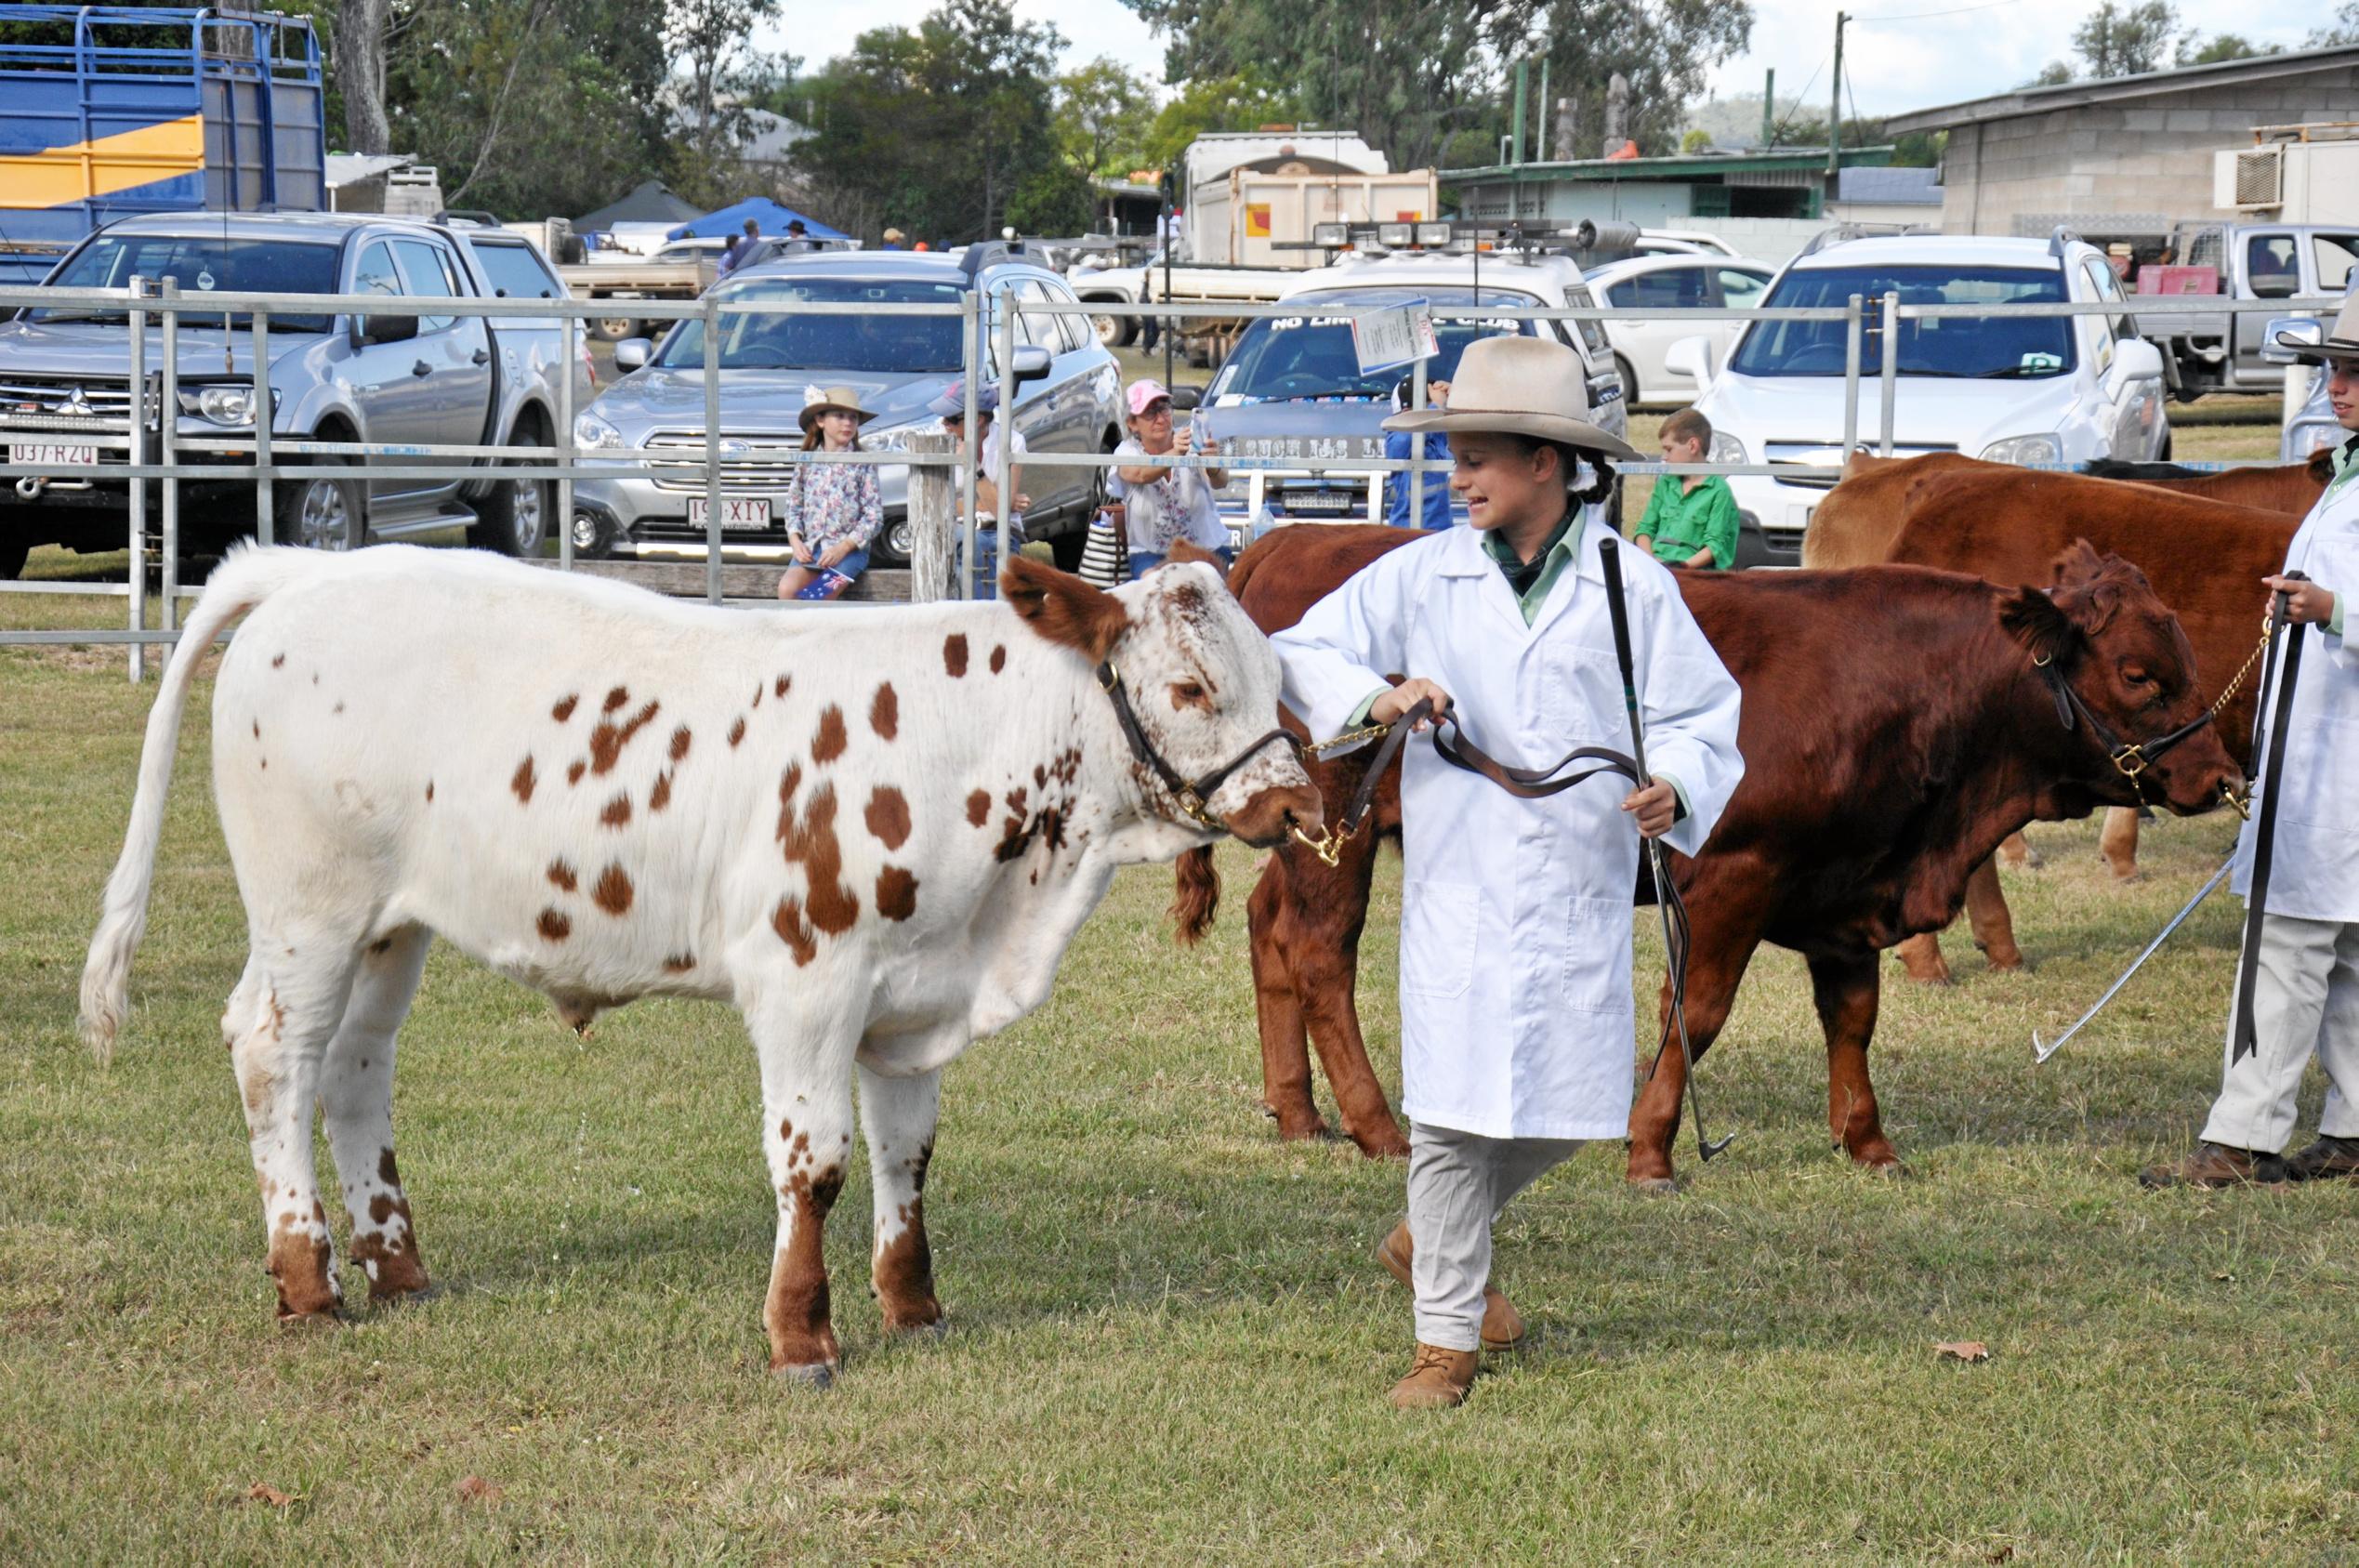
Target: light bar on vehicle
(1334, 234)
(1435, 233)
(1395, 236)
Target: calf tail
(241, 580)
(1195, 897)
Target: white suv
(2007, 388)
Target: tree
(2124, 40)
(2222, 46)
(1101, 119)
(1216, 104)
(2055, 74)
(2344, 31)
(710, 42)
(360, 38)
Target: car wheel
(1115, 332)
(593, 537)
(321, 510)
(514, 519)
(1628, 373)
(894, 544)
(613, 329)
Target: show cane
(2247, 1036)
(1674, 944)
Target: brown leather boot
(2324, 1159)
(1502, 1324)
(1437, 1380)
(2217, 1165)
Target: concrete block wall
(2137, 155)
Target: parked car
(1068, 400)
(387, 377)
(2006, 388)
(1671, 284)
(2210, 351)
(1293, 387)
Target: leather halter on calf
(1190, 793)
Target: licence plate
(32, 453)
(737, 511)
(1321, 501)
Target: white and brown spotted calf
(874, 831)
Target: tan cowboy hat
(818, 400)
(2342, 338)
(1520, 386)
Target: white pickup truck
(1187, 283)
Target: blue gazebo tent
(768, 214)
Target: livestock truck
(109, 110)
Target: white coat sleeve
(1690, 703)
(1338, 654)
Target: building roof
(2074, 95)
(1679, 167)
(650, 202)
(1889, 188)
(350, 168)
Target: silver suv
(1068, 400)
(393, 376)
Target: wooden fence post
(933, 512)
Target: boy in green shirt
(1691, 519)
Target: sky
(1897, 55)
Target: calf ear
(1183, 552)
(2035, 620)
(2078, 563)
(1062, 608)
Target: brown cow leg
(2016, 854)
(1724, 934)
(1318, 932)
(1845, 990)
(1277, 1008)
(2118, 842)
(1987, 914)
(1921, 957)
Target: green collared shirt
(1531, 580)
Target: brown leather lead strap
(1529, 784)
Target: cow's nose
(1308, 815)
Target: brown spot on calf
(563, 875)
(430, 792)
(522, 782)
(953, 655)
(787, 921)
(575, 770)
(829, 742)
(617, 697)
(782, 685)
(299, 1266)
(979, 807)
(884, 712)
(887, 816)
(279, 663)
(617, 812)
(612, 893)
(831, 906)
(680, 963)
(737, 730)
(661, 794)
(796, 1311)
(554, 926)
(608, 740)
(998, 657)
(896, 893)
(903, 1273)
(679, 743)
(565, 708)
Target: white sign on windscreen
(1384, 339)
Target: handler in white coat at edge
(2305, 993)
(1516, 1007)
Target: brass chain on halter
(2242, 804)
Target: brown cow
(2205, 559)
(1856, 523)
(1871, 789)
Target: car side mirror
(632, 353)
(2137, 360)
(1030, 363)
(1691, 357)
(383, 329)
(2285, 334)
(1185, 397)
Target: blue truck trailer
(107, 110)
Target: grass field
(1170, 1341)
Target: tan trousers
(1458, 1182)
(2305, 999)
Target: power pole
(1835, 110)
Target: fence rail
(159, 441)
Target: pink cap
(1143, 393)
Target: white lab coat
(1516, 915)
(2313, 869)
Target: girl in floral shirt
(835, 508)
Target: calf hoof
(2003, 962)
(937, 1327)
(1297, 1126)
(818, 1375)
(301, 1322)
(1655, 1186)
(1877, 1162)
(1387, 1144)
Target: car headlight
(230, 403)
(1725, 448)
(2024, 449)
(898, 438)
(592, 434)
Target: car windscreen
(200, 265)
(1309, 355)
(869, 344)
(1970, 348)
